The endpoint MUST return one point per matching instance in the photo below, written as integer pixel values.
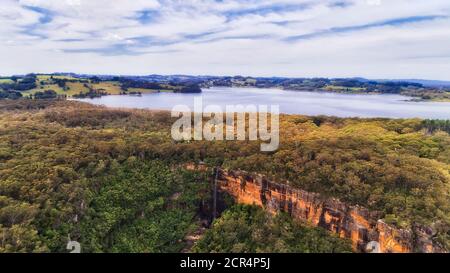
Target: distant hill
(71, 84)
(426, 83)
(431, 83)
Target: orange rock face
(362, 227)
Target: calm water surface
(290, 102)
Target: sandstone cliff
(364, 228)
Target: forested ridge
(110, 179)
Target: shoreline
(281, 114)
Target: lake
(290, 102)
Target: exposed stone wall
(362, 227)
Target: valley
(111, 180)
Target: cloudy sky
(298, 38)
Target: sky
(377, 39)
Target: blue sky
(296, 38)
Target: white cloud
(376, 39)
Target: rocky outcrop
(364, 228)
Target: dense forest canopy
(69, 170)
(248, 229)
